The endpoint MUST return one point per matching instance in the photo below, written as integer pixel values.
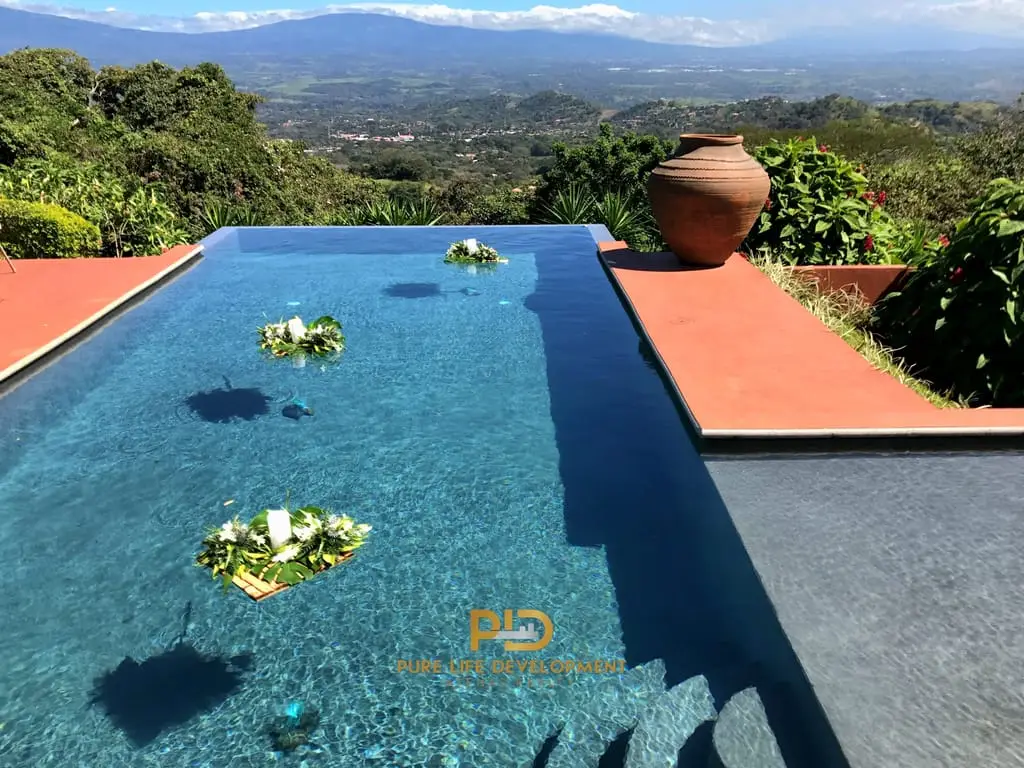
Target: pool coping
(913, 426)
(59, 343)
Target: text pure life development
(511, 666)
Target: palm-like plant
(392, 213)
(573, 205)
(624, 215)
(218, 214)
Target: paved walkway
(750, 362)
(49, 301)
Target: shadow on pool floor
(145, 699)
(634, 484)
(226, 404)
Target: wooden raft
(258, 589)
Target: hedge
(44, 231)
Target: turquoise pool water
(500, 430)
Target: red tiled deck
(749, 361)
(49, 301)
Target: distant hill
(668, 119)
(402, 43)
(354, 36)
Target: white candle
(279, 525)
(471, 245)
(296, 328)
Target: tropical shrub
(218, 214)
(626, 216)
(389, 212)
(609, 163)
(503, 206)
(134, 220)
(936, 190)
(44, 231)
(820, 210)
(465, 201)
(959, 320)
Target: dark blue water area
(499, 428)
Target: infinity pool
(501, 431)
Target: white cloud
(993, 16)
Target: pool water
(499, 429)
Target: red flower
(767, 203)
(823, 147)
(944, 241)
(869, 243)
(869, 195)
(881, 197)
(957, 275)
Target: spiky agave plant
(625, 217)
(397, 213)
(573, 205)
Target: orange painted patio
(49, 301)
(749, 361)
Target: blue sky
(699, 22)
(716, 9)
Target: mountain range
(407, 44)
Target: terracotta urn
(707, 197)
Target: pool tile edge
(912, 435)
(68, 336)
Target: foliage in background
(850, 318)
(218, 214)
(134, 220)
(464, 202)
(388, 212)
(960, 318)
(40, 230)
(155, 155)
(608, 164)
(626, 216)
(820, 210)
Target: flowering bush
(820, 210)
(960, 318)
(279, 545)
(472, 252)
(292, 338)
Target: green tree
(609, 163)
(398, 165)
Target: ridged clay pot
(707, 197)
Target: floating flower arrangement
(280, 548)
(293, 339)
(472, 252)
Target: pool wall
(687, 590)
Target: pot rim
(713, 139)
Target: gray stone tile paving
(900, 583)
